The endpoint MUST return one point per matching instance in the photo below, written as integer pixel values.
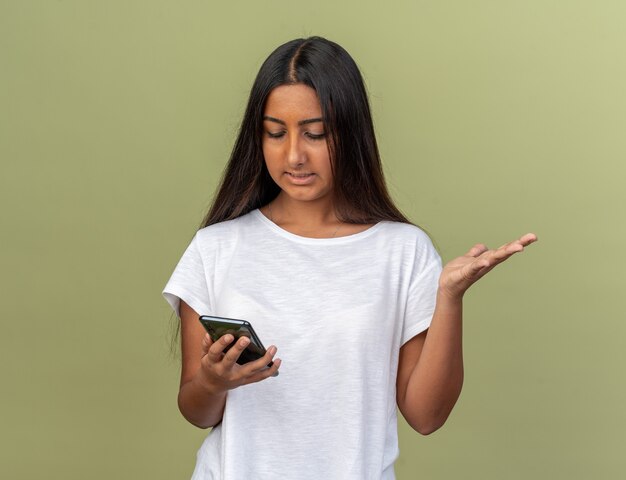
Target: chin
(305, 196)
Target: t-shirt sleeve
(189, 282)
(422, 293)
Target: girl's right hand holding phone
(208, 373)
(220, 372)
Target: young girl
(304, 242)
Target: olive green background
(494, 118)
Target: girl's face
(295, 143)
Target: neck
(310, 213)
(310, 219)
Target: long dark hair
(360, 194)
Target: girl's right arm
(208, 373)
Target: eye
(275, 134)
(315, 136)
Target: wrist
(448, 298)
(208, 388)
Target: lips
(300, 178)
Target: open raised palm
(462, 272)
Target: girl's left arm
(430, 369)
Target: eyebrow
(301, 122)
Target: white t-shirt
(338, 309)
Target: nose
(296, 155)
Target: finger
(206, 344)
(476, 250)
(509, 249)
(489, 259)
(230, 357)
(265, 373)
(474, 269)
(216, 351)
(524, 240)
(495, 257)
(261, 363)
(528, 239)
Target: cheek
(325, 163)
(267, 157)
(272, 165)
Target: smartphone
(219, 326)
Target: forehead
(294, 101)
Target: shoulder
(412, 245)
(406, 233)
(401, 228)
(225, 232)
